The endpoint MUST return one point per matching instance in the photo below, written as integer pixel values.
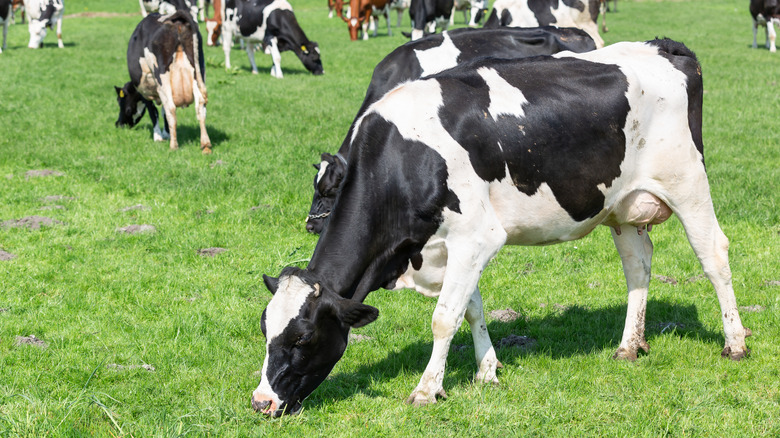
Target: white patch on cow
(439, 58)
(504, 98)
(565, 16)
(37, 28)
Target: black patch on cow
(5, 6)
(571, 137)
(424, 11)
(390, 204)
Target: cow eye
(303, 339)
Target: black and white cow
(562, 13)
(427, 56)
(167, 7)
(429, 13)
(765, 13)
(166, 65)
(473, 11)
(272, 23)
(43, 14)
(444, 171)
(6, 11)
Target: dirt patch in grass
(42, 173)
(137, 229)
(355, 338)
(665, 279)
(4, 309)
(118, 367)
(31, 340)
(753, 308)
(52, 207)
(32, 222)
(135, 207)
(505, 315)
(55, 198)
(5, 256)
(522, 342)
(772, 283)
(210, 252)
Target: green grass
(98, 297)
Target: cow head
(131, 105)
(37, 30)
(330, 173)
(306, 328)
(309, 55)
(214, 29)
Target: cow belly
(181, 77)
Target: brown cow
(214, 24)
(361, 13)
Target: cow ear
(326, 157)
(271, 283)
(356, 314)
(316, 166)
(119, 91)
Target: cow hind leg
(276, 59)
(250, 52)
(157, 133)
(59, 34)
(200, 108)
(636, 252)
(711, 245)
(483, 347)
(5, 34)
(771, 35)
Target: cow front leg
(276, 59)
(250, 52)
(466, 258)
(771, 34)
(636, 252)
(483, 347)
(143, 9)
(157, 133)
(755, 33)
(5, 34)
(59, 34)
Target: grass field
(147, 335)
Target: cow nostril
(260, 405)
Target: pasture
(157, 333)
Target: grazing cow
(214, 24)
(167, 7)
(428, 56)
(361, 12)
(444, 171)
(17, 6)
(562, 13)
(399, 6)
(430, 13)
(43, 14)
(165, 61)
(272, 23)
(6, 11)
(765, 13)
(472, 11)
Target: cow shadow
(563, 333)
(188, 134)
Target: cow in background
(531, 13)
(765, 13)
(167, 7)
(426, 57)
(362, 13)
(399, 6)
(430, 13)
(43, 14)
(214, 24)
(203, 6)
(166, 66)
(17, 6)
(473, 11)
(272, 23)
(6, 11)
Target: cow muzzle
(266, 405)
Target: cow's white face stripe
(321, 173)
(286, 305)
(504, 98)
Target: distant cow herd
(527, 131)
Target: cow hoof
(254, 72)
(206, 151)
(735, 355)
(419, 398)
(624, 354)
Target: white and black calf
(583, 14)
(166, 66)
(425, 57)
(444, 171)
(430, 14)
(765, 13)
(272, 23)
(43, 14)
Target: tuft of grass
(106, 303)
